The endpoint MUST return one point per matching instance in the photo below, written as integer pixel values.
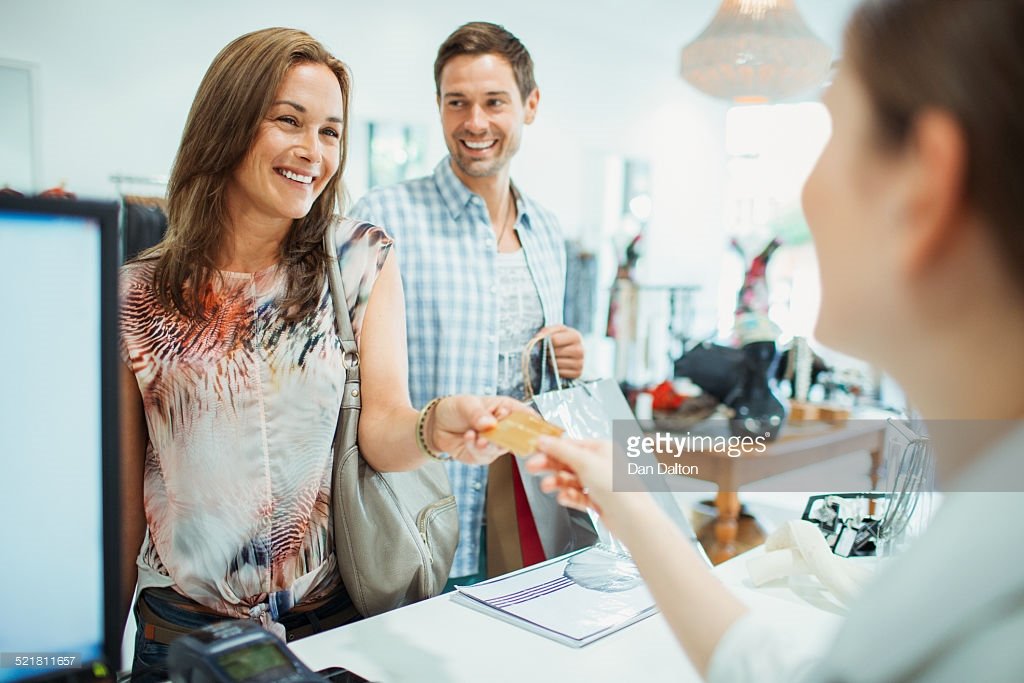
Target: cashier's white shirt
(951, 609)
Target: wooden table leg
(730, 529)
(724, 528)
(727, 524)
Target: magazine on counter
(575, 599)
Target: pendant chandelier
(756, 51)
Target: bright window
(772, 149)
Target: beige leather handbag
(395, 533)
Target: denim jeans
(150, 662)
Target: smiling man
(484, 270)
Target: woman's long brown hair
(232, 100)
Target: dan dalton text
(679, 446)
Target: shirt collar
(524, 206)
(453, 193)
(456, 195)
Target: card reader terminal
(235, 652)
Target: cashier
(916, 211)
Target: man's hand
(568, 345)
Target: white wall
(116, 78)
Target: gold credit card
(519, 431)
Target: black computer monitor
(59, 512)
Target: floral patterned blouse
(241, 412)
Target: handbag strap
(342, 322)
(525, 363)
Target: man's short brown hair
(481, 38)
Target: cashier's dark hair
(963, 58)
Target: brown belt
(159, 630)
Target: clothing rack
(144, 216)
(150, 202)
(120, 180)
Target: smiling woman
(295, 154)
(226, 131)
(233, 375)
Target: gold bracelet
(421, 432)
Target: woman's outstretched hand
(457, 422)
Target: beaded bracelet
(421, 432)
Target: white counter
(438, 641)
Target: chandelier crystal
(756, 51)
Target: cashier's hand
(580, 471)
(456, 423)
(568, 344)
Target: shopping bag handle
(525, 363)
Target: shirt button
(494, 288)
(488, 390)
(477, 486)
(492, 338)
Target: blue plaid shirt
(447, 254)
